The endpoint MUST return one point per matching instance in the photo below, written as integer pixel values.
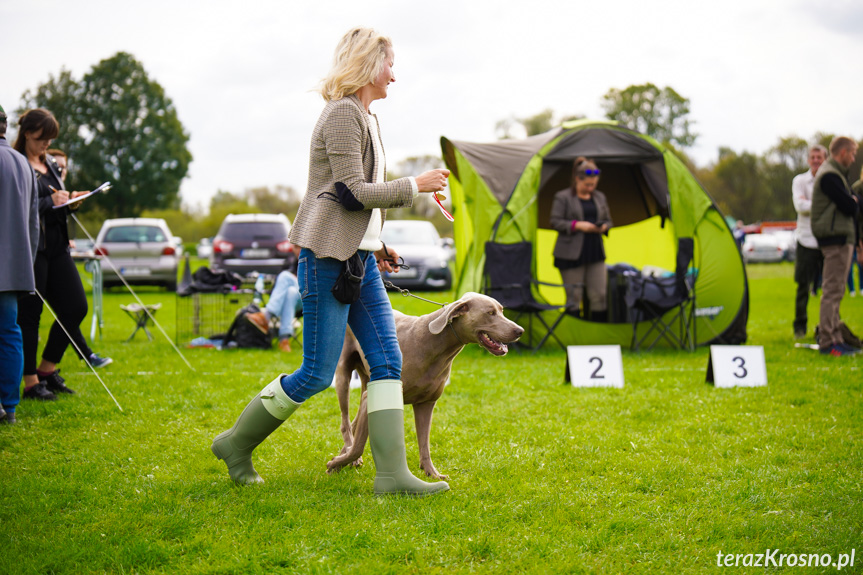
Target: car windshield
(418, 235)
(250, 231)
(134, 234)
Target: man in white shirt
(808, 262)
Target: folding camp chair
(509, 280)
(652, 298)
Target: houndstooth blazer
(334, 214)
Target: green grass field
(658, 477)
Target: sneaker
(836, 350)
(853, 293)
(285, 345)
(57, 384)
(98, 361)
(40, 392)
(849, 349)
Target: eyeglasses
(590, 172)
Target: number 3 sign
(594, 366)
(736, 366)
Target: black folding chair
(651, 299)
(509, 279)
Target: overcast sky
(241, 74)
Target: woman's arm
(343, 132)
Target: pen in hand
(59, 197)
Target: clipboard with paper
(103, 188)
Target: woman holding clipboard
(57, 276)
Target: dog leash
(406, 293)
(390, 285)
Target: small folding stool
(140, 314)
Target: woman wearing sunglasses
(57, 278)
(580, 215)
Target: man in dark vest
(834, 225)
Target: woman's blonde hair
(358, 60)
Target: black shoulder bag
(349, 282)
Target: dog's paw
(430, 471)
(336, 464)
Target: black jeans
(807, 268)
(58, 281)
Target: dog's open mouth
(495, 347)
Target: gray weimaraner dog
(429, 343)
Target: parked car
(204, 249)
(788, 242)
(143, 250)
(249, 243)
(83, 246)
(763, 248)
(178, 246)
(422, 248)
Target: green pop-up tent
(502, 192)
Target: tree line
(117, 124)
(749, 186)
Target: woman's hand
(60, 197)
(432, 181)
(73, 195)
(586, 227)
(387, 258)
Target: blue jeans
(11, 351)
(285, 302)
(325, 320)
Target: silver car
(143, 251)
(762, 248)
(421, 247)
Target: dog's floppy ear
(450, 312)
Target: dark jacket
(567, 207)
(54, 229)
(857, 188)
(834, 210)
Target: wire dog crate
(208, 314)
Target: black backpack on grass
(244, 333)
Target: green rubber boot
(264, 414)
(385, 408)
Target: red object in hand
(446, 214)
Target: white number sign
(737, 366)
(594, 366)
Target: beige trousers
(837, 262)
(594, 277)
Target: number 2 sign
(594, 366)
(737, 366)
